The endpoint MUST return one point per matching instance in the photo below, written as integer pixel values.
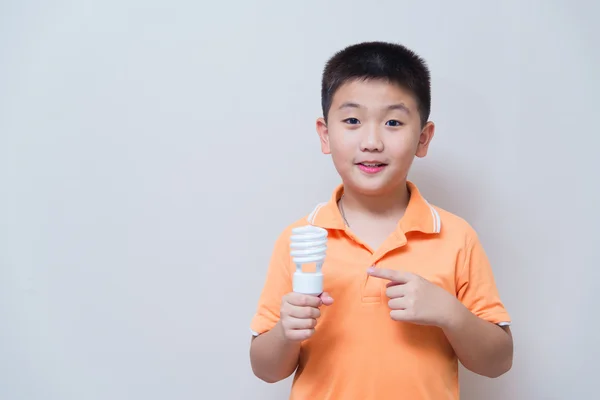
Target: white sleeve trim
(505, 323)
(254, 333)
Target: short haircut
(378, 60)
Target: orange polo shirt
(358, 351)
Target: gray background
(151, 152)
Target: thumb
(326, 298)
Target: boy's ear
(425, 139)
(323, 135)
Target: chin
(372, 187)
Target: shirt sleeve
(476, 286)
(278, 282)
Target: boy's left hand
(417, 300)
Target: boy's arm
(481, 346)
(272, 356)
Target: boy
(414, 292)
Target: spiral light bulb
(308, 245)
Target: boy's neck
(390, 205)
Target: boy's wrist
(455, 317)
(280, 331)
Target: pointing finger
(390, 274)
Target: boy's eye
(394, 122)
(352, 121)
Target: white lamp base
(308, 283)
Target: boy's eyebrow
(349, 104)
(399, 106)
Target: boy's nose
(371, 141)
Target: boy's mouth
(371, 167)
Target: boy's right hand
(299, 314)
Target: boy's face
(373, 134)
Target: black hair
(378, 60)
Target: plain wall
(151, 152)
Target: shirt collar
(419, 216)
